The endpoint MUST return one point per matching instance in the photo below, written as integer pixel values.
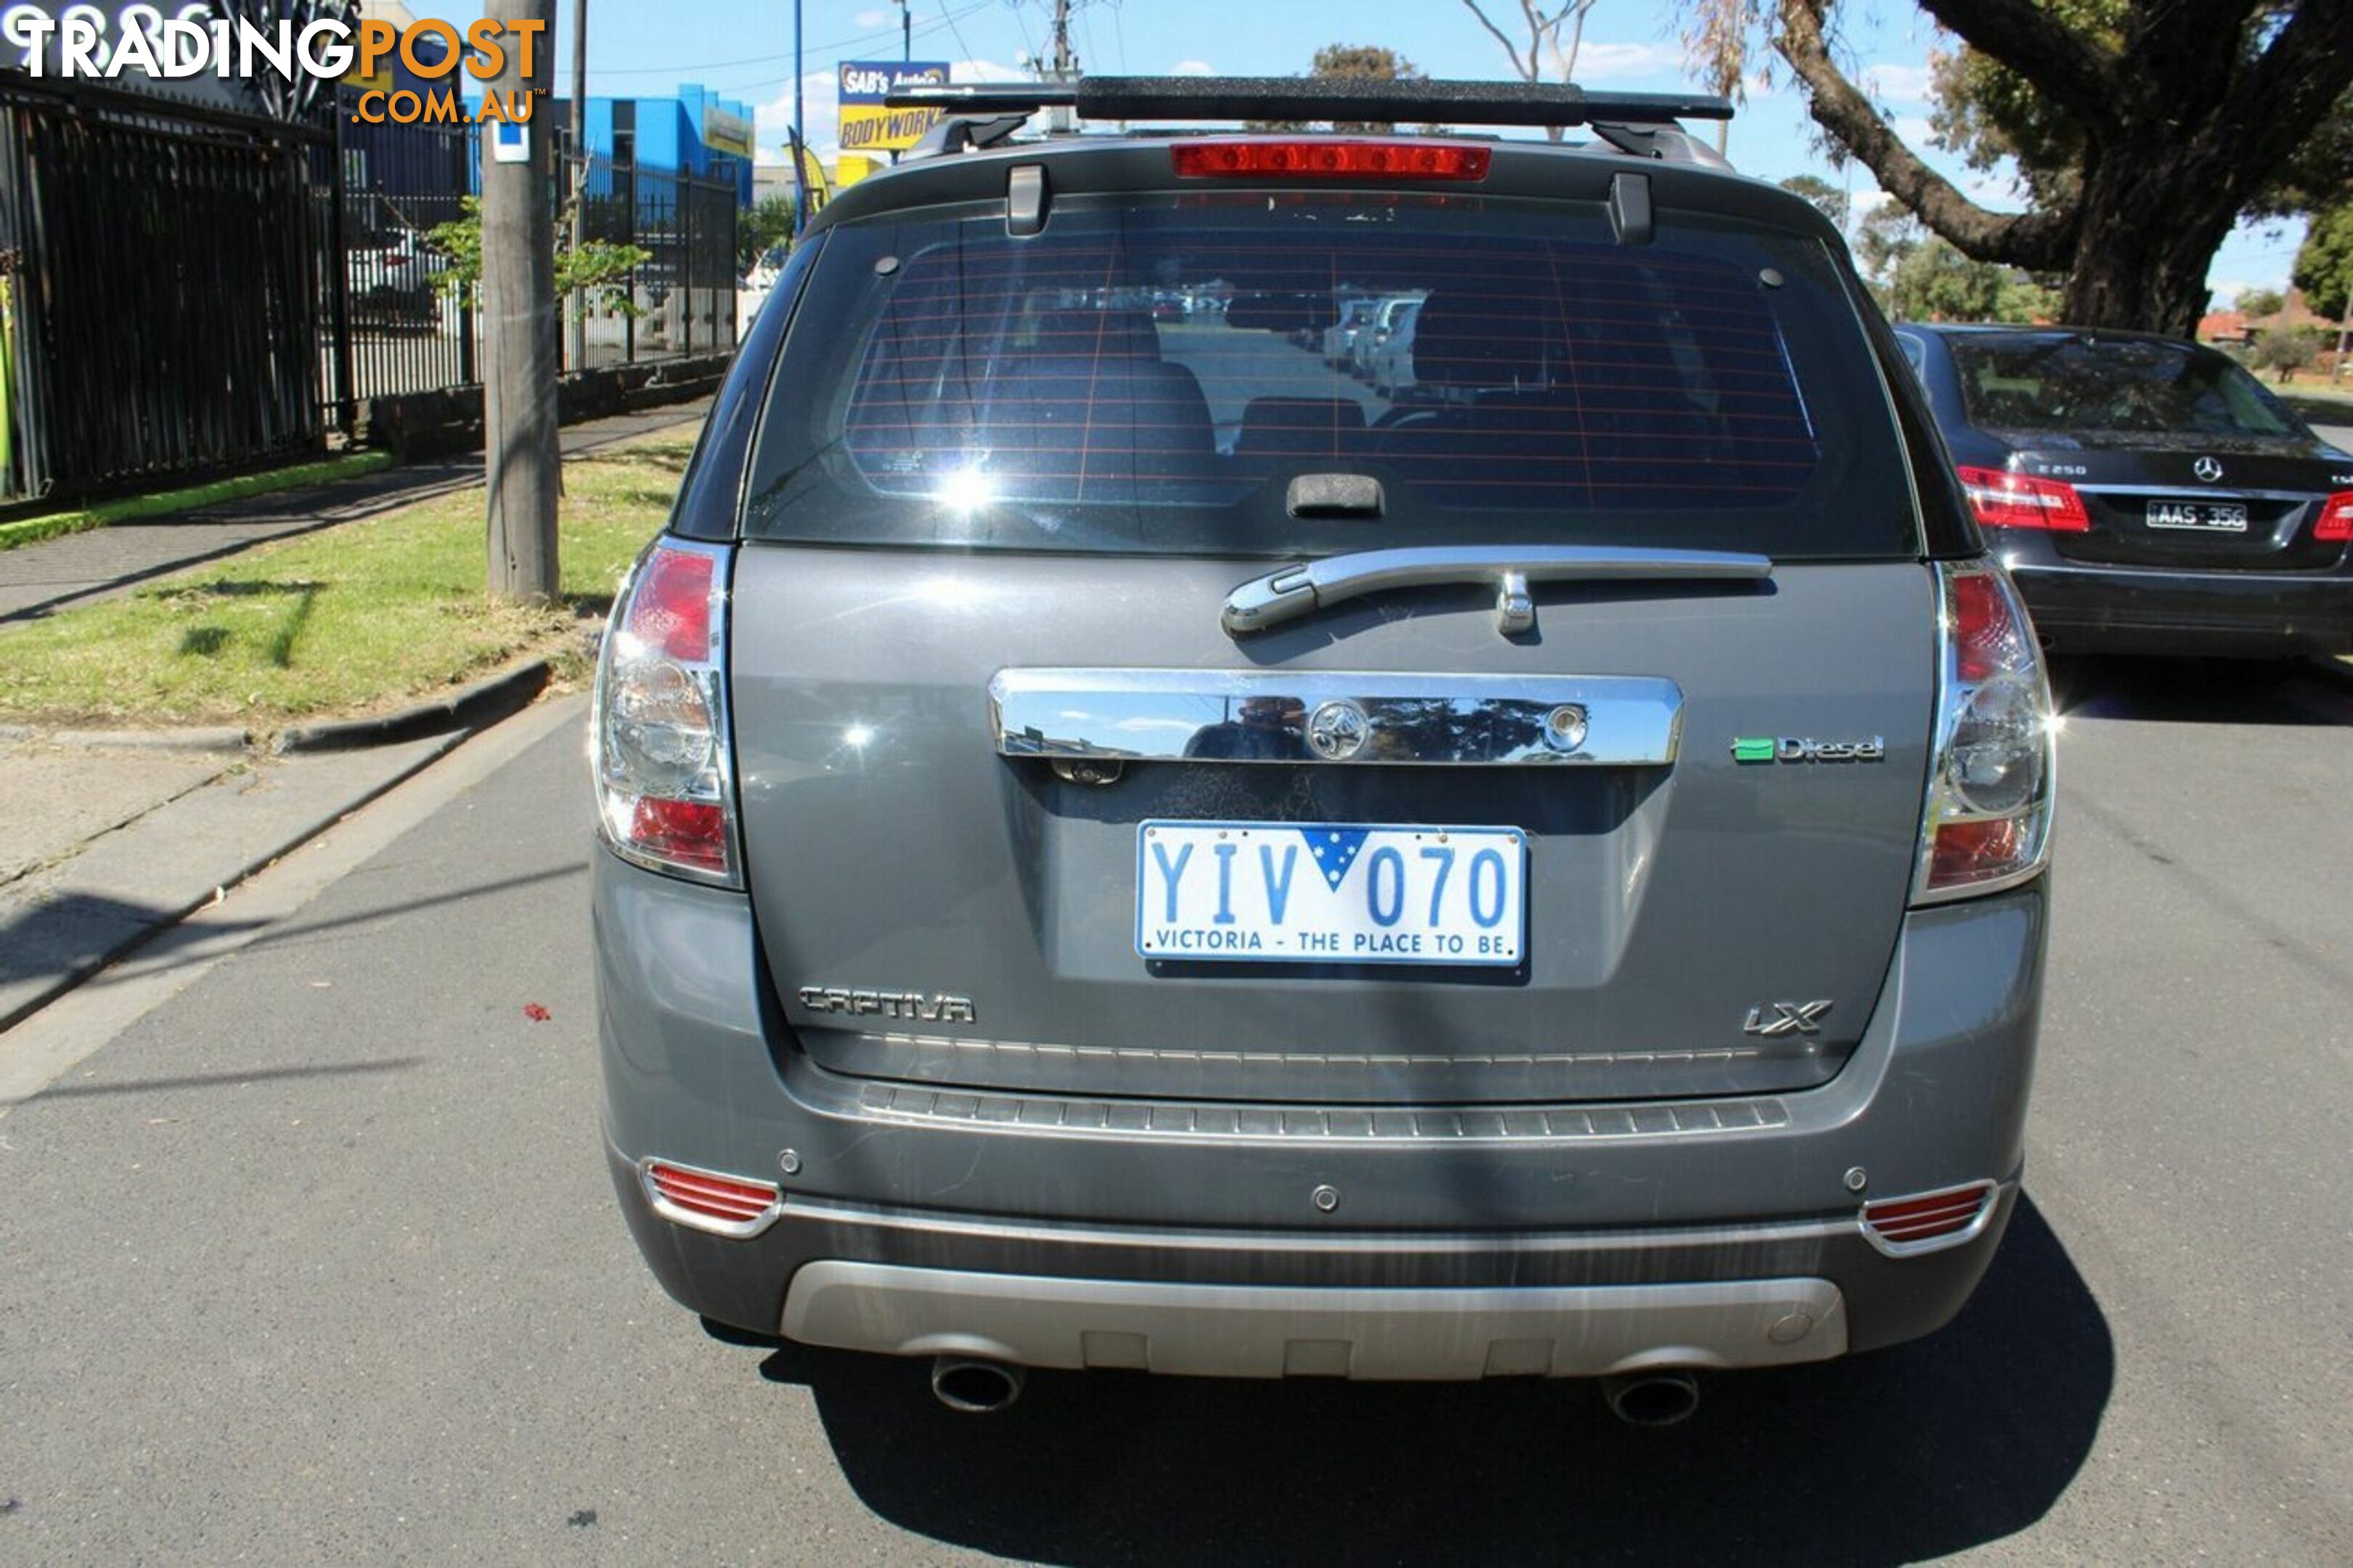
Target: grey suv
(1129, 850)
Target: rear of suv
(1129, 848)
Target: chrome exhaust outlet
(974, 1386)
(1659, 1398)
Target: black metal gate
(157, 281)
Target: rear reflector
(2004, 499)
(726, 1205)
(1332, 159)
(1903, 1226)
(2336, 518)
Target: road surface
(316, 1262)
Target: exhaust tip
(1651, 1398)
(974, 1386)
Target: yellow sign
(868, 124)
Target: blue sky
(743, 50)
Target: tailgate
(1692, 917)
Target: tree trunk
(2152, 218)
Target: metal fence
(183, 294)
(681, 300)
(158, 311)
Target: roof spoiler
(1314, 98)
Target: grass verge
(362, 618)
(163, 503)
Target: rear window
(1150, 374)
(2083, 385)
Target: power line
(787, 53)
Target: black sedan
(2147, 494)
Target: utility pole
(1066, 63)
(579, 173)
(800, 144)
(522, 461)
(906, 32)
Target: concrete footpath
(108, 838)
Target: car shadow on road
(1927, 1448)
(2198, 691)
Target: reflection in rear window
(2050, 382)
(1152, 376)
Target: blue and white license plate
(1329, 893)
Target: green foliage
(766, 225)
(598, 267)
(1920, 277)
(2255, 303)
(2286, 350)
(1371, 62)
(1827, 198)
(2324, 264)
(1986, 111)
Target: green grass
(359, 618)
(163, 503)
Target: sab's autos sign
(868, 125)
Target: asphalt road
(316, 1262)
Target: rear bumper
(1686, 1233)
(2138, 610)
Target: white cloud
(871, 19)
(1914, 130)
(1898, 84)
(1191, 67)
(822, 95)
(1602, 62)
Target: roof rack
(1314, 98)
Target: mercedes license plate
(1329, 893)
(2209, 515)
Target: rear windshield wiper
(1288, 591)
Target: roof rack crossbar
(1314, 98)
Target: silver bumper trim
(1262, 1330)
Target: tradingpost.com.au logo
(297, 47)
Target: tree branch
(2036, 240)
(2276, 101)
(2062, 62)
(1524, 72)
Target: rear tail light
(2336, 518)
(1331, 160)
(1923, 1223)
(708, 1200)
(2003, 499)
(661, 732)
(1928, 1220)
(1986, 825)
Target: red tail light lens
(729, 1205)
(1987, 820)
(660, 730)
(1334, 160)
(2004, 499)
(1904, 1225)
(2336, 518)
(669, 608)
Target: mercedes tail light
(2000, 499)
(2336, 518)
(1986, 825)
(1315, 160)
(661, 732)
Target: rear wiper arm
(1288, 591)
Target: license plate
(1329, 893)
(2214, 517)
